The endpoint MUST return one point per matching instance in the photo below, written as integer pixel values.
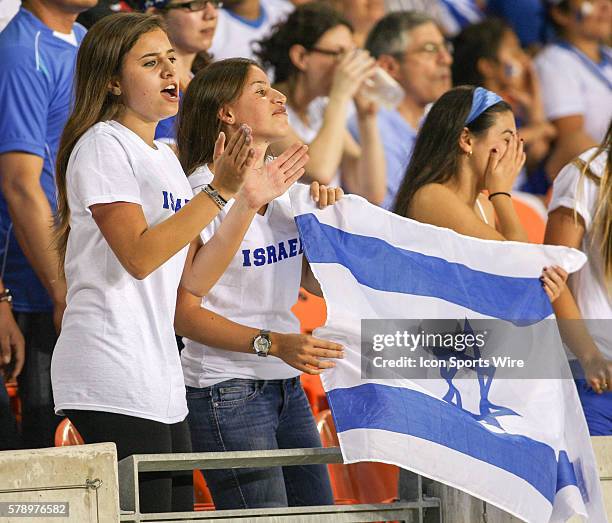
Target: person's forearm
(572, 328)
(567, 147)
(509, 223)
(215, 255)
(157, 244)
(33, 227)
(209, 328)
(371, 167)
(325, 151)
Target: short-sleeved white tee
(570, 87)
(117, 351)
(258, 290)
(235, 36)
(573, 191)
(316, 116)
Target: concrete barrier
(80, 481)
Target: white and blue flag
(520, 444)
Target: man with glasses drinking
(411, 48)
(243, 22)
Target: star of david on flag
(520, 444)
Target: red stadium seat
(310, 310)
(366, 482)
(13, 393)
(66, 434)
(532, 213)
(203, 499)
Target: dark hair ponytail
(435, 158)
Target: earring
(469, 153)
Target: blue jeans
(597, 409)
(241, 414)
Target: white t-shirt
(307, 132)
(235, 36)
(588, 285)
(571, 87)
(117, 351)
(258, 290)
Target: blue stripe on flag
(381, 266)
(406, 411)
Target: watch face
(261, 344)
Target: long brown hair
(436, 152)
(198, 123)
(99, 60)
(602, 219)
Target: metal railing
(421, 510)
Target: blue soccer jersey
(36, 80)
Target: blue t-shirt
(166, 130)
(36, 81)
(398, 139)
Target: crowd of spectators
(549, 62)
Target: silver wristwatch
(262, 343)
(214, 194)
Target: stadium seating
(310, 310)
(66, 435)
(366, 482)
(532, 213)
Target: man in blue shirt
(411, 48)
(37, 51)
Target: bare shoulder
(431, 196)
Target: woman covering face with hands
(126, 219)
(243, 356)
(469, 144)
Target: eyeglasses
(433, 49)
(327, 52)
(195, 5)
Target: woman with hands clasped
(315, 64)
(468, 144)
(243, 356)
(128, 226)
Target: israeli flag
(519, 444)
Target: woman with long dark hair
(488, 54)
(243, 352)
(469, 144)
(126, 219)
